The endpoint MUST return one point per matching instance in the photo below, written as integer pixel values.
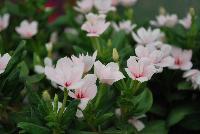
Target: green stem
(96, 44)
(100, 94)
(136, 87)
(64, 103)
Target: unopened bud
(55, 103)
(46, 96)
(162, 11)
(192, 11)
(115, 55)
(49, 46)
(109, 43)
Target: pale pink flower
(104, 6)
(4, 21)
(4, 61)
(40, 69)
(186, 22)
(165, 20)
(115, 2)
(140, 69)
(128, 3)
(193, 75)
(85, 93)
(139, 125)
(144, 36)
(26, 29)
(160, 57)
(182, 59)
(84, 6)
(86, 59)
(126, 26)
(66, 73)
(95, 24)
(108, 74)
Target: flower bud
(55, 103)
(192, 11)
(109, 43)
(46, 96)
(115, 55)
(49, 46)
(162, 11)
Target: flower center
(137, 75)
(67, 84)
(178, 61)
(80, 95)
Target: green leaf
(33, 128)
(184, 85)
(35, 78)
(103, 118)
(143, 102)
(178, 113)
(155, 127)
(16, 57)
(69, 113)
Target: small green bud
(46, 96)
(109, 43)
(192, 11)
(162, 11)
(115, 55)
(55, 103)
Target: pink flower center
(80, 95)
(137, 75)
(178, 61)
(67, 84)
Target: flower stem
(96, 44)
(64, 103)
(100, 94)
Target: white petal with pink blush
(84, 6)
(107, 74)
(140, 69)
(143, 36)
(95, 25)
(4, 60)
(4, 21)
(182, 58)
(66, 73)
(85, 93)
(27, 29)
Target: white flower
(182, 59)
(4, 61)
(95, 24)
(186, 22)
(84, 6)
(86, 59)
(140, 69)
(144, 36)
(85, 93)
(127, 26)
(160, 57)
(40, 69)
(128, 3)
(139, 125)
(104, 6)
(165, 20)
(66, 73)
(108, 74)
(4, 21)
(26, 29)
(193, 75)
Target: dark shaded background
(147, 9)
